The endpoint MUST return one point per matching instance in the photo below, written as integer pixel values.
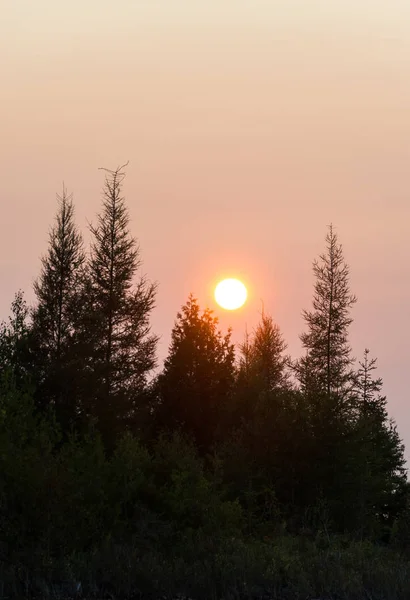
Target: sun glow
(230, 294)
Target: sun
(230, 294)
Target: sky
(249, 127)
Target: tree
(243, 402)
(368, 389)
(269, 433)
(326, 378)
(245, 358)
(116, 330)
(57, 287)
(262, 370)
(198, 377)
(327, 364)
(267, 359)
(58, 291)
(378, 455)
(15, 356)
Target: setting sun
(230, 294)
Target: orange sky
(249, 127)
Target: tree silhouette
(327, 364)
(267, 359)
(58, 292)
(15, 354)
(318, 468)
(377, 455)
(326, 379)
(120, 346)
(262, 370)
(198, 376)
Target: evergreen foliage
(15, 355)
(216, 479)
(116, 334)
(378, 455)
(57, 287)
(262, 370)
(267, 355)
(55, 316)
(198, 376)
(327, 364)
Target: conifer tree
(378, 454)
(245, 358)
(326, 376)
(198, 376)
(243, 401)
(368, 389)
(57, 288)
(326, 368)
(266, 420)
(262, 370)
(120, 346)
(58, 292)
(15, 356)
(268, 360)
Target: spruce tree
(243, 401)
(266, 418)
(326, 368)
(262, 370)
(58, 292)
(198, 377)
(57, 288)
(15, 355)
(120, 346)
(268, 361)
(245, 357)
(326, 377)
(368, 389)
(377, 457)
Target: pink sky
(249, 127)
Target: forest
(225, 473)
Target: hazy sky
(249, 127)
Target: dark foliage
(327, 364)
(196, 384)
(213, 480)
(114, 336)
(55, 316)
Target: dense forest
(224, 473)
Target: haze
(249, 127)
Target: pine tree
(244, 397)
(368, 389)
(327, 364)
(198, 377)
(267, 421)
(262, 369)
(15, 356)
(58, 292)
(326, 377)
(120, 346)
(58, 285)
(378, 454)
(245, 357)
(268, 360)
